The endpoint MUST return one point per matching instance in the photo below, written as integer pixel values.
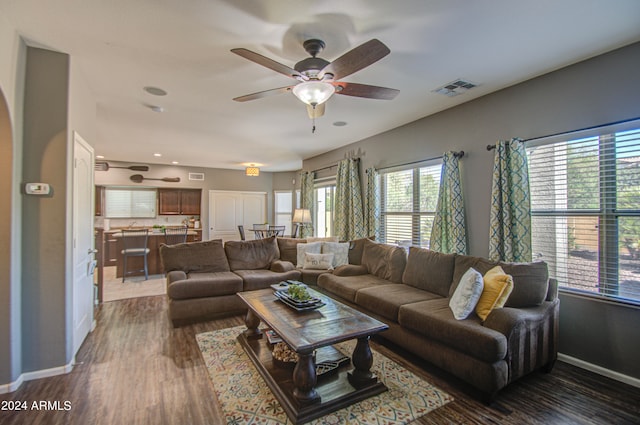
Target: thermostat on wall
(37, 188)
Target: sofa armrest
(552, 292)
(175, 275)
(281, 266)
(532, 336)
(350, 270)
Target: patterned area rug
(246, 399)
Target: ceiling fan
(318, 78)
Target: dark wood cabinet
(99, 209)
(179, 201)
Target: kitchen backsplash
(111, 223)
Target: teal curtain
(510, 219)
(349, 217)
(449, 234)
(372, 204)
(306, 201)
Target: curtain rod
(328, 167)
(459, 154)
(492, 147)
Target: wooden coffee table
(301, 394)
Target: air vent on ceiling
(196, 176)
(455, 88)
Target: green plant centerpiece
(298, 292)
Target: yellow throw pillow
(497, 288)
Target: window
(585, 200)
(408, 205)
(121, 202)
(324, 196)
(283, 209)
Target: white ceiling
(182, 46)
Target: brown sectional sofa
(411, 294)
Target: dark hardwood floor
(135, 368)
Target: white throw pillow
(467, 294)
(339, 250)
(318, 261)
(313, 248)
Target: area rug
(246, 399)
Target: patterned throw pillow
(318, 261)
(302, 248)
(340, 252)
(467, 294)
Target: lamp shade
(252, 171)
(313, 92)
(301, 215)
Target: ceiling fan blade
(261, 94)
(364, 90)
(316, 112)
(267, 62)
(356, 59)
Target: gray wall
(44, 225)
(214, 179)
(597, 91)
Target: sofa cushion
(340, 251)
(201, 285)
(530, 283)
(252, 255)
(205, 256)
(384, 261)
(386, 300)
(260, 278)
(312, 239)
(310, 247)
(434, 319)
(356, 247)
(497, 288)
(346, 286)
(429, 270)
(464, 263)
(466, 296)
(288, 250)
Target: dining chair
(134, 243)
(260, 231)
(241, 231)
(275, 231)
(175, 235)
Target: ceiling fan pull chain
(313, 128)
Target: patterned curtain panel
(372, 204)
(449, 234)
(510, 219)
(349, 217)
(306, 201)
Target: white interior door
(83, 240)
(228, 209)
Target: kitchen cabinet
(179, 201)
(99, 208)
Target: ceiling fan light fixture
(314, 92)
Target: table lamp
(301, 216)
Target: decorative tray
(310, 304)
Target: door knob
(92, 251)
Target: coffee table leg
(362, 359)
(304, 379)
(252, 321)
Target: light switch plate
(37, 188)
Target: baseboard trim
(37, 374)
(600, 370)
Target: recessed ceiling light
(175, 162)
(157, 154)
(340, 123)
(156, 91)
(99, 156)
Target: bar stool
(175, 235)
(135, 245)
